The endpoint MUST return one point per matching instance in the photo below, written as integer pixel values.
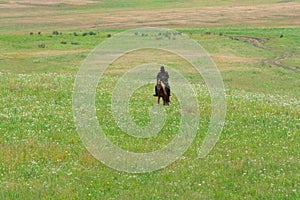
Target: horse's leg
(168, 95)
(168, 99)
(158, 98)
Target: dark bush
(55, 33)
(108, 35)
(84, 34)
(42, 45)
(75, 43)
(63, 42)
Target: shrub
(55, 33)
(42, 45)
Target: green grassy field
(256, 157)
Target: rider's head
(162, 69)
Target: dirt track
(12, 4)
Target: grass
(42, 156)
(130, 14)
(150, 4)
(236, 59)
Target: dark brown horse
(162, 93)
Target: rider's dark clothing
(163, 76)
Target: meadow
(257, 155)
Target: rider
(163, 75)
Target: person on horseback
(163, 75)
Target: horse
(162, 93)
